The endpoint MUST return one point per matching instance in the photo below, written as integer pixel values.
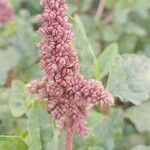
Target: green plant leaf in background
(129, 79)
(34, 6)
(18, 98)
(105, 130)
(92, 148)
(141, 147)
(24, 42)
(12, 143)
(139, 115)
(107, 58)
(85, 51)
(7, 122)
(41, 128)
(16, 3)
(9, 59)
(127, 43)
(109, 129)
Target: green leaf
(10, 28)
(105, 130)
(12, 143)
(24, 42)
(92, 148)
(129, 79)
(33, 72)
(94, 118)
(18, 98)
(16, 3)
(85, 51)
(41, 128)
(133, 28)
(141, 147)
(109, 129)
(111, 33)
(95, 148)
(33, 6)
(9, 59)
(139, 115)
(85, 5)
(127, 43)
(107, 59)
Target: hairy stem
(69, 139)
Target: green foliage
(9, 59)
(129, 78)
(85, 50)
(18, 98)
(33, 6)
(141, 147)
(105, 133)
(13, 143)
(139, 115)
(107, 58)
(40, 127)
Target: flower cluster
(70, 96)
(6, 12)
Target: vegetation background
(112, 39)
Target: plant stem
(100, 9)
(69, 139)
(108, 18)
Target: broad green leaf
(85, 5)
(139, 115)
(41, 128)
(141, 147)
(96, 148)
(109, 129)
(18, 98)
(33, 6)
(94, 118)
(91, 148)
(12, 143)
(107, 59)
(121, 12)
(16, 3)
(6, 120)
(17, 102)
(133, 28)
(24, 42)
(31, 73)
(104, 133)
(4, 96)
(110, 3)
(84, 143)
(127, 44)
(10, 28)
(111, 33)
(129, 79)
(8, 60)
(85, 51)
(147, 48)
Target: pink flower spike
(70, 96)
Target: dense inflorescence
(70, 96)
(6, 12)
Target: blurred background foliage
(112, 39)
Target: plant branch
(108, 18)
(100, 9)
